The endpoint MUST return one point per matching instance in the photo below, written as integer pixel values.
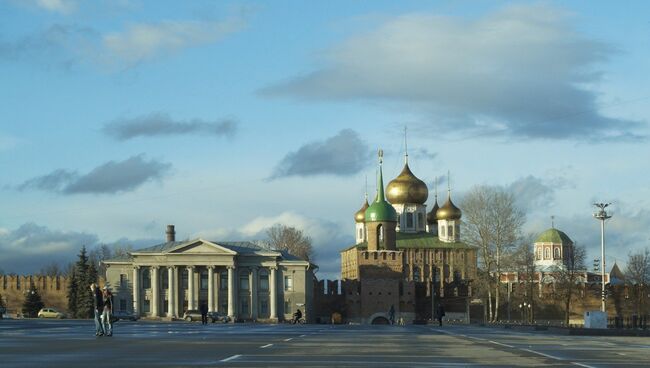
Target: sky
(225, 118)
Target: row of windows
(547, 253)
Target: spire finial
(406, 151)
(380, 179)
(448, 183)
(436, 187)
(552, 221)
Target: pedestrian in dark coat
(441, 313)
(98, 308)
(204, 313)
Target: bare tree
(52, 269)
(568, 276)
(638, 274)
(524, 264)
(282, 237)
(493, 224)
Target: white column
(231, 292)
(190, 287)
(211, 288)
(253, 283)
(171, 292)
(155, 292)
(217, 286)
(136, 290)
(274, 293)
(176, 292)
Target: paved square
(71, 343)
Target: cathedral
(406, 259)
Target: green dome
(380, 210)
(554, 236)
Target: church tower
(381, 218)
(449, 220)
(408, 195)
(360, 221)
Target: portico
(239, 279)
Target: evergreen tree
(80, 299)
(32, 303)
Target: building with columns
(240, 279)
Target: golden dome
(448, 211)
(407, 188)
(360, 216)
(432, 215)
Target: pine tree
(32, 303)
(80, 299)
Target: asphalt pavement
(71, 343)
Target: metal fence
(633, 321)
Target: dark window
(264, 280)
(204, 279)
(224, 280)
(288, 283)
(264, 307)
(146, 279)
(123, 281)
(184, 278)
(287, 306)
(244, 306)
(243, 281)
(420, 221)
(122, 304)
(146, 305)
(165, 279)
(409, 220)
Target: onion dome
(448, 211)
(380, 210)
(432, 215)
(407, 188)
(360, 216)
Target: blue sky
(119, 117)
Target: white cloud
(521, 71)
(142, 42)
(57, 6)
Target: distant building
(239, 279)
(405, 258)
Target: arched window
(556, 253)
(442, 231)
(450, 231)
(380, 235)
(539, 253)
(420, 219)
(547, 253)
(360, 233)
(243, 280)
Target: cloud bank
(69, 45)
(161, 124)
(343, 154)
(109, 178)
(522, 71)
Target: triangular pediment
(200, 246)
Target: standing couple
(103, 304)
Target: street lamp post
(602, 215)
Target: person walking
(204, 313)
(391, 315)
(98, 305)
(441, 313)
(107, 312)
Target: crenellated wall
(53, 291)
